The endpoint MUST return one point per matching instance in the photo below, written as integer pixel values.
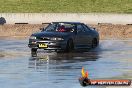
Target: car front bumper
(49, 45)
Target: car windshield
(60, 27)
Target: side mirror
(94, 28)
(41, 29)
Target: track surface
(112, 59)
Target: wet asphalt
(112, 59)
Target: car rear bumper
(50, 45)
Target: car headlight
(32, 37)
(56, 39)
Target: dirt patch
(110, 31)
(106, 31)
(18, 29)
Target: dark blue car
(65, 36)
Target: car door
(81, 37)
(88, 35)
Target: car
(65, 36)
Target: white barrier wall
(91, 18)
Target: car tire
(69, 46)
(94, 43)
(33, 52)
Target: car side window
(86, 28)
(80, 28)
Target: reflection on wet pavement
(62, 60)
(112, 59)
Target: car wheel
(33, 52)
(69, 46)
(94, 43)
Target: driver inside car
(61, 28)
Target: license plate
(43, 45)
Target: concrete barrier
(92, 18)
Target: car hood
(52, 34)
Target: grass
(66, 6)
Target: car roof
(68, 22)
